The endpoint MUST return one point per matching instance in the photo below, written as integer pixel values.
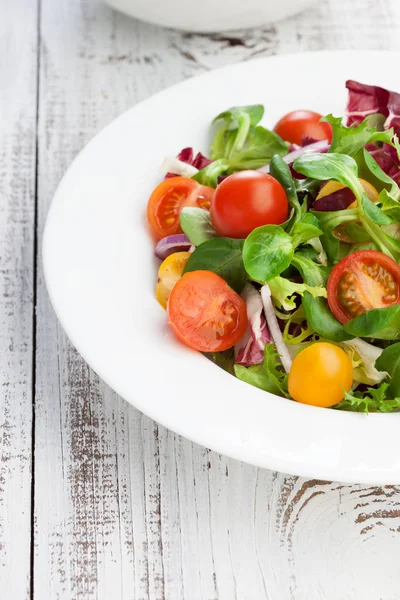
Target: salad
(280, 251)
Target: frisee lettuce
(268, 376)
(283, 292)
(374, 400)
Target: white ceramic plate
(100, 272)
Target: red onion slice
(173, 243)
(322, 146)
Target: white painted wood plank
(126, 509)
(18, 58)
(98, 503)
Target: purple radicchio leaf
(186, 155)
(393, 119)
(339, 200)
(250, 350)
(385, 160)
(200, 161)
(396, 177)
(365, 100)
(393, 153)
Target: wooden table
(96, 500)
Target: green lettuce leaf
(240, 143)
(340, 167)
(209, 175)
(222, 256)
(236, 124)
(304, 231)
(378, 323)
(380, 174)
(389, 206)
(389, 361)
(260, 146)
(349, 140)
(225, 359)
(283, 292)
(268, 376)
(374, 400)
(396, 144)
(196, 224)
(267, 252)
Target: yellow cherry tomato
(369, 189)
(169, 273)
(319, 375)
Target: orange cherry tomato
(246, 200)
(320, 374)
(169, 273)
(168, 199)
(205, 313)
(362, 281)
(298, 124)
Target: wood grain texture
(18, 45)
(124, 508)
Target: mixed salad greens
(281, 251)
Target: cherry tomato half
(168, 199)
(319, 375)
(298, 124)
(205, 313)
(246, 200)
(169, 273)
(362, 281)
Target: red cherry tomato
(362, 281)
(302, 123)
(205, 313)
(168, 199)
(246, 200)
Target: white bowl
(100, 271)
(210, 15)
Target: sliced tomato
(168, 199)
(300, 124)
(205, 313)
(362, 281)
